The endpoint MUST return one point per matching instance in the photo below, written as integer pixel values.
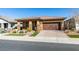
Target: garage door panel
(50, 26)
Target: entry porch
(31, 24)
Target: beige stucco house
(41, 23)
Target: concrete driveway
(52, 33)
(53, 36)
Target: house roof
(42, 18)
(76, 18)
(51, 17)
(8, 19)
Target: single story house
(42, 23)
(72, 23)
(6, 23)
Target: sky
(27, 12)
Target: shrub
(35, 33)
(29, 29)
(14, 32)
(2, 30)
(21, 31)
(66, 31)
(72, 29)
(77, 31)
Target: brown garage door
(52, 26)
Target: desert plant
(2, 30)
(66, 31)
(29, 29)
(72, 29)
(77, 31)
(35, 33)
(14, 32)
(21, 31)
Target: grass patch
(16, 34)
(73, 36)
(34, 34)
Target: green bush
(15, 34)
(73, 36)
(21, 31)
(29, 29)
(2, 30)
(35, 33)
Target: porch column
(59, 26)
(38, 26)
(30, 25)
(41, 25)
(18, 25)
(62, 25)
(2, 25)
(9, 25)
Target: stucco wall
(70, 24)
(2, 23)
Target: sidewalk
(41, 39)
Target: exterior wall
(2, 23)
(77, 26)
(69, 24)
(30, 25)
(18, 25)
(62, 25)
(39, 24)
(72, 23)
(76, 23)
(9, 25)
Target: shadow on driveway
(11, 45)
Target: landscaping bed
(73, 34)
(2, 31)
(15, 34)
(34, 34)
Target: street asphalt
(13, 45)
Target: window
(5, 25)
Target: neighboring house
(42, 23)
(6, 23)
(72, 23)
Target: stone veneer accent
(41, 25)
(38, 26)
(62, 25)
(18, 27)
(30, 25)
